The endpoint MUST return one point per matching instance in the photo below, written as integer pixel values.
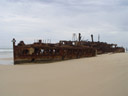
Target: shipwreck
(64, 50)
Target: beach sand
(103, 75)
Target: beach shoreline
(103, 75)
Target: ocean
(6, 56)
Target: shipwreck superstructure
(64, 50)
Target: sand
(104, 75)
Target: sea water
(6, 56)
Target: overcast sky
(30, 20)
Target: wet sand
(104, 75)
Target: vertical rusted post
(79, 37)
(40, 41)
(98, 38)
(14, 41)
(92, 37)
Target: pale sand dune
(104, 75)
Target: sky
(31, 20)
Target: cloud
(59, 19)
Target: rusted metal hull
(64, 50)
(103, 47)
(43, 54)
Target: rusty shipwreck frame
(64, 50)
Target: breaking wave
(2, 50)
